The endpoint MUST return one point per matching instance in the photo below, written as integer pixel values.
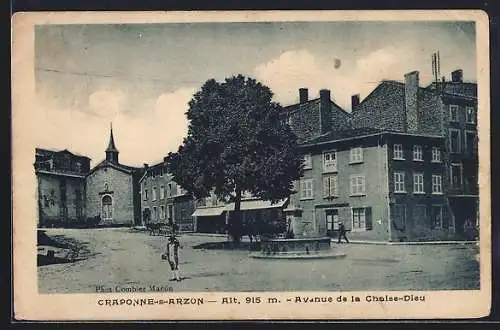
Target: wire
(109, 75)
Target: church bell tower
(111, 151)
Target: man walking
(342, 233)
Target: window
(437, 185)
(162, 212)
(306, 189)
(417, 153)
(453, 112)
(107, 207)
(330, 161)
(356, 155)
(437, 217)
(399, 182)
(361, 219)
(456, 175)
(436, 155)
(155, 213)
(398, 152)
(153, 197)
(357, 185)
(162, 192)
(470, 115)
(170, 192)
(289, 120)
(330, 186)
(418, 183)
(454, 140)
(170, 212)
(145, 194)
(162, 171)
(470, 142)
(307, 161)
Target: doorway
(332, 222)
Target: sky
(140, 77)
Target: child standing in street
(172, 255)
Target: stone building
(112, 190)
(447, 109)
(163, 200)
(60, 179)
(417, 163)
(361, 177)
(311, 118)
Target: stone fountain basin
(297, 248)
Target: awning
(256, 204)
(208, 211)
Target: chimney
(457, 76)
(325, 111)
(354, 101)
(146, 166)
(303, 95)
(411, 101)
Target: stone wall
(119, 187)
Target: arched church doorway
(107, 208)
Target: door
(332, 222)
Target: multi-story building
(401, 166)
(368, 179)
(163, 200)
(60, 187)
(311, 118)
(447, 109)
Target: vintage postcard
(251, 165)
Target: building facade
(163, 200)
(312, 118)
(402, 166)
(447, 109)
(61, 191)
(212, 215)
(112, 190)
(370, 180)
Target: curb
(410, 243)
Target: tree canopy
(236, 142)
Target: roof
(149, 168)
(119, 167)
(463, 89)
(343, 134)
(49, 152)
(111, 145)
(358, 133)
(60, 173)
(309, 104)
(254, 204)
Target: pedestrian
(342, 233)
(172, 256)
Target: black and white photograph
(237, 156)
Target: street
(122, 257)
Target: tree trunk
(235, 220)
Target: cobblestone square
(120, 258)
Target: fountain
(305, 243)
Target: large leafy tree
(236, 143)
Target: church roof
(119, 167)
(111, 144)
